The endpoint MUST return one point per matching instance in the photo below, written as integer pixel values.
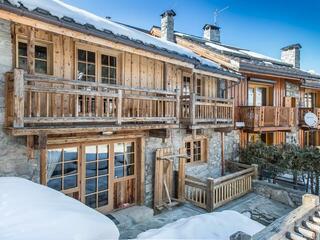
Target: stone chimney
(211, 33)
(167, 25)
(291, 55)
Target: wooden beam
(86, 37)
(31, 50)
(222, 154)
(30, 147)
(18, 102)
(43, 140)
(141, 172)
(181, 175)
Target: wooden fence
(213, 193)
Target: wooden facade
(87, 105)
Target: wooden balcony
(198, 111)
(303, 111)
(37, 103)
(267, 118)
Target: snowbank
(29, 211)
(217, 226)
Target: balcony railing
(303, 111)
(267, 117)
(197, 109)
(41, 100)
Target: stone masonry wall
(211, 168)
(13, 158)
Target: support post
(256, 171)
(31, 50)
(192, 108)
(178, 106)
(30, 147)
(141, 172)
(43, 140)
(210, 194)
(222, 154)
(181, 175)
(18, 100)
(119, 107)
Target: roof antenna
(216, 14)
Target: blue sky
(259, 25)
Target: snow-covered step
(305, 232)
(295, 236)
(311, 225)
(315, 219)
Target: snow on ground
(29, 211)
(216, 225)
(60, 9)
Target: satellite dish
(311, 119)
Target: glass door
(257, 96)
(97, 177)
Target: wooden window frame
(203, 149)
(98, 53)
(41, 43)
(307, 96)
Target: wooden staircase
(307, 229)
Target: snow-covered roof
(216, 225)
(70, 14)
(251, 60)
(30, 211)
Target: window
(309, 100)
(186, 86)
(108, 69)
(97, 176)
(266, 138)
(42, 55)
(22, 56)
(196, 150)
(221, 88)
(124, 159)
(86, 65)
(63, 168)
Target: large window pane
(70, 182)
(55, 184)
(91, 169)
(91, 153)
(102, 199)
(41, 67)
(41, 52)
(91, 201)
(70, 154)
(91, 186)
(102, 183)
(22, 49)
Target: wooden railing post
(18, 98)
(261, 116)
(178, 106)
(119, 106)
(192, 108)
(215, 112)
(256, 171)
(210, 194)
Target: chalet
(273, 95)
(88, 104)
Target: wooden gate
(165, 184)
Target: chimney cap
(168, 13)
(210, 26)
(292, 46)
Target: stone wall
(211, 168)
(290, 197)
(13, 158)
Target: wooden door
(96, 184)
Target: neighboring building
(269, 95)
(86, 102)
